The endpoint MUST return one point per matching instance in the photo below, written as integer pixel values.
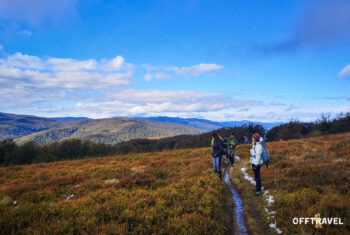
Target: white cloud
(160, 76)
(345, 71)
(149, 67)
(115, 64)
(29, 82)
(71, 64)
(18, 60)
(196, 70)
(164, 96)
(147, 77)
(171, 107)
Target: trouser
(257, 178)
(216, 165)
(231, 155)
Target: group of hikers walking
(259, 154)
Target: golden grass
(306, 177)
(171, 192)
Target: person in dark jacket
(217, 153)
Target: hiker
(231, 148)
(256, 160)
(217, 153)
(246, 141)
(212, 138)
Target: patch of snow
(238, 158)
(246, 176)
(270, 200)
(15, 202)
(274, 226)
(77, 186)
(70, 197)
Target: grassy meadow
(305, 177)
(175, 192)
(171, 192)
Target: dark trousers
(231, 155)
(257, 178)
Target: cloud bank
(95, 88)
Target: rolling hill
(14, 126)
(109, 131)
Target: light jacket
(255, 153)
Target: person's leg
(231, 156)
(257, 179)
(214, 164)
(219, 165)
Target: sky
(271, 60)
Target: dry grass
(171, 192)
(306, 177)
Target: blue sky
(220, 60)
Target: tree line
(323, 126)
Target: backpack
(265, 154)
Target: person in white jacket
(256, 160)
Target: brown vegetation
(306, 177)
(165, 193)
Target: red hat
(256, 136)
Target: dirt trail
(238, 212)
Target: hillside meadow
(306, 177)
(175, 192)
(171, 192)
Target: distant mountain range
(25, 128)
(207, 125)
